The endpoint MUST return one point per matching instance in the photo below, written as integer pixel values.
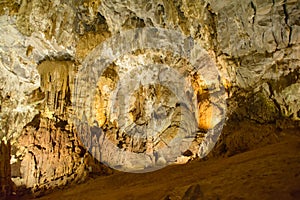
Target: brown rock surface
(5, 170)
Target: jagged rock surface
(42, 44)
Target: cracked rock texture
(254, 44)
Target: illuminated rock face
(254, 44)
(156, 95)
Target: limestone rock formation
(44, 45)
(5, 170)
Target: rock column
(5, 171)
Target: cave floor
(270, 172)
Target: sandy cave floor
(270, 172)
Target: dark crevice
(286, 19)
(134, 21)
(272, 94)
(68, 94)
(100, 19)
(286, 15)
(35, 122)
(39, 147)
(290, 36)
(254, 9)
(61, 124)
(285, 81)
(214, 20)
(82, 151)
(34, 159)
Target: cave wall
(255, 45)
(5, 170)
